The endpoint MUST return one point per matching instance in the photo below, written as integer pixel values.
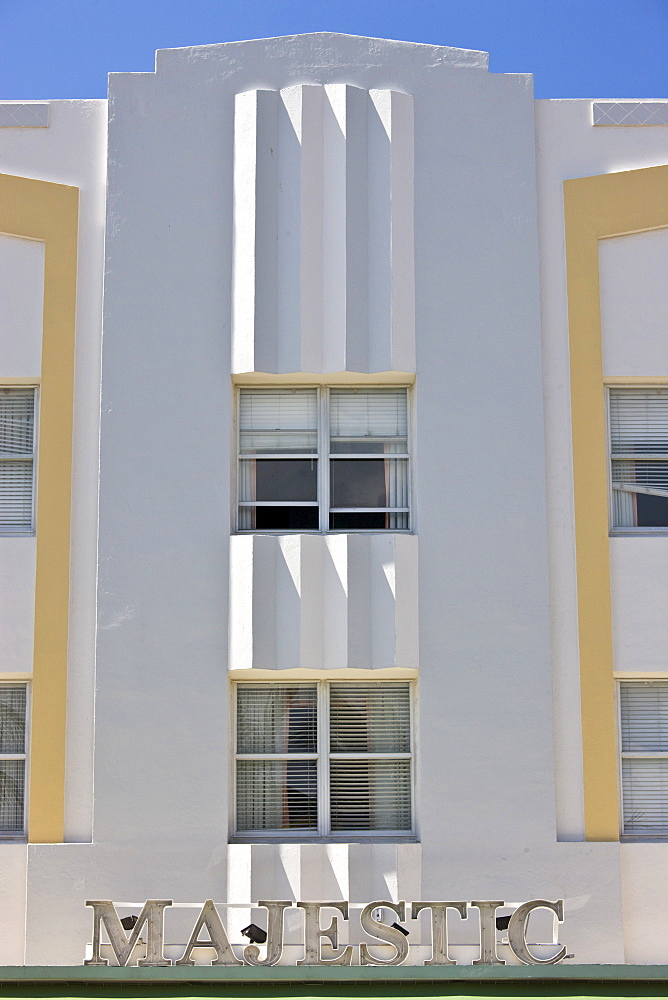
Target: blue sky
(574, 48)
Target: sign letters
(209, 932)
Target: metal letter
(275, 909)
(313, 932)
(210, 919)
(439, 929)
(517, 931)
(152, 915)
(488, 954)
(383, 932)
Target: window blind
(278, 420)
(370, 792)
(17, 407)
(13, 701)
(368, 413)
(644, 744)
(277, 793)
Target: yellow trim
(40, 210)
(596, 208)
(330, 378)
(650, 380)
(17, 380)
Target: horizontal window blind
(17, 429)
(644, 744)
(639, 421)
(368, 413)
(13, 712)
(276, 718)
(370, 793)
(369, 718)
(278, 420)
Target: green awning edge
(472, 974)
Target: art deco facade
(334, 543)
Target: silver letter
(488, 954)
(152, 914)
(439, 929)
(210, 919)
(383, 932)
(517, 931)
(275, 909)
(313, 932)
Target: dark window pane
(283, 479)
(652, 511)
(360, 483)
(285, 518)
(353, 521)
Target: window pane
(278, 479)
(276, 718)
(370, 795)
(17, 408)
(278, 420)
(12, 718)
(279, 519)
(368, 420)
(16, 495)
(12, 793)
(651, 511)
(369, 482)
(645, 794)
(644, 710)
(277, 795)
(639, 421)
(374, 718)
(639, 426)
(344, 521)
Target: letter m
(152, 914)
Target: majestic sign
(380, 933)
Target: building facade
(334, 547)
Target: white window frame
(7, 530)
(323, 757)
(628, 529)
(25, 756)
(323, 458)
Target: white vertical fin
(334, 220)
(254, 281)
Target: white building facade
(366, 579)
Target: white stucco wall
(634, 304)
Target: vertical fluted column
(323, 221)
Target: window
(644, 747)
(323, 459)
(17, 423)
(639, 457)
(324, 759)
(13, 718)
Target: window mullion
(323, 762)
(323, 457)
